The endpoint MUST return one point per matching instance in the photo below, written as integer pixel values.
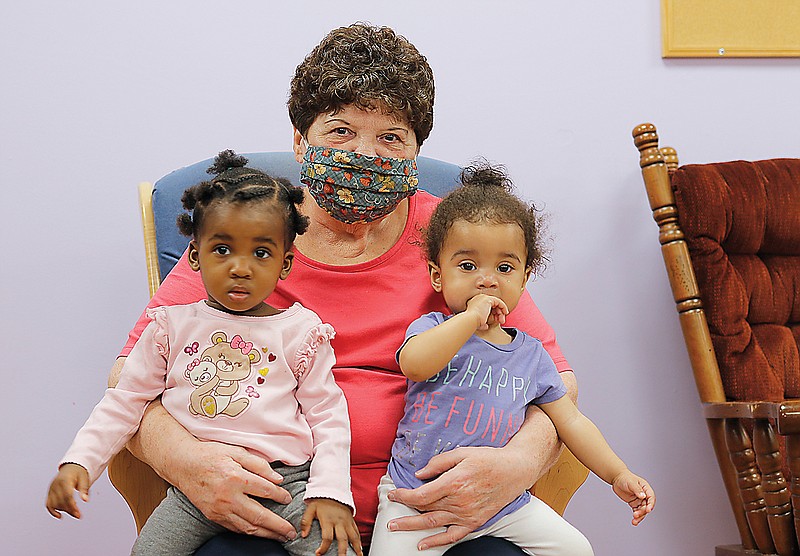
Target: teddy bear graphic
(216, 374)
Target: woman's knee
(234, 544)
(484, 546)
(576, 544)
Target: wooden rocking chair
(730, 238)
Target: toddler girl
(233, 369)
(470, 380)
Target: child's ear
(436, 276)
(528, 272)
(194, 256)
(287, 264)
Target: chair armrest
(786, 413)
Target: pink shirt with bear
(264, 383)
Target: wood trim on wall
(730, 28)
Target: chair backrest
(741, 222)
(435, 176)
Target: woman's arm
(472, 484)
(216, 477)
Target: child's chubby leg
(537, 529)
(175, 528)
(397, 543)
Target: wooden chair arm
(786, 414)
(138, 484)
(557, 486)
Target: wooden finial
(645, 137)
(670, 159)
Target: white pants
(536, 528)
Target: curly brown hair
(486, 195)
(234, 182)
(366, 66)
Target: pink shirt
(370, 305)
(264, 383)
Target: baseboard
(735, 550)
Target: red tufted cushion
(742, 226)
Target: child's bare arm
(336, 521)
(584, 440)
(427, 353)
(71, 477)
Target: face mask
(354, 187)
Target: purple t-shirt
(479, 399)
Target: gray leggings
(177, 527)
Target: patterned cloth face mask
(354, 187)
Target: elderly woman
(362, 91)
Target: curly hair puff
(366, 66)
(486, 195)
(234, 182)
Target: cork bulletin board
(730, 28)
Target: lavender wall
(99, 96)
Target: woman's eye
(222, 250)
(261, 253)
(341, 131)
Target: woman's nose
(366, 146)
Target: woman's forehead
(377, 112)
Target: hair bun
(483, 174)
(227, 160)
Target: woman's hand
(221, 479)
(218, 478)
(336, 521)
(471, 485)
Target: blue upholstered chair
(434, 176)
(160, 205)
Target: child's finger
(355, 540)
(83, 486)
(323, 547)
(71, 507)
(327, 538)
(341, 539)
(650, 497)
(306, 521)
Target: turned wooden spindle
(773, 485)
(789, 425)
(749, 478)
(686, 294)
(679, 268)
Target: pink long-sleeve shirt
(370, 305)
(264, 383)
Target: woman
(367, 91)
